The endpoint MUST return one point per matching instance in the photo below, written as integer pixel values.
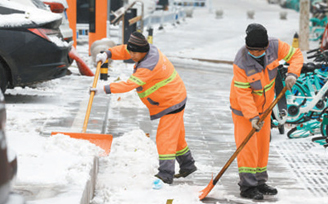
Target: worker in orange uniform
(161, 89)
(251, 93)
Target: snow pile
(64, 161)
(129, 172)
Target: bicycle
(303, 103)
(323, 139)
(319, 21)
(311, 127)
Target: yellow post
(150, 36)
(295, 43)
(104, 71)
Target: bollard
(189, 12)
(283, 15)
(150, 35)
(218, 13)
(250, 14)
(295, 43)
(161, 23)
(104, 71)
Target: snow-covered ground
(62, 164)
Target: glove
(255, 125)
(101, 57)
(99, 90)
(290, 81)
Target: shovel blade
(206, 191)
(103, 141)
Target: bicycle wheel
(293, 110)
(320, 140)
(296, 133)
(323, 130)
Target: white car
(55, 6)
(60, 6)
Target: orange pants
(170, 137)
(253, 158)
(171, 145)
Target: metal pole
(304, 25)
(142, 16)
(123, 25)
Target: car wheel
(3, 79)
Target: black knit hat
(256, 37)
(137, 43)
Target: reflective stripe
(158, 85)
(290, 54)
(269, 86)
(260, 170)
(166, 156)
(136, 80)
(252, 170)
(182, 152)
(172, 156)
(259, 92)
(243, 85)
(247, 170)
(266, 88)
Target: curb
(90, 185)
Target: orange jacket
(158, 84)
(252, 87)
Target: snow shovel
(210, 186)
(102, 140)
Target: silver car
(60, 7)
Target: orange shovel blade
(101, 140)
(206, 191)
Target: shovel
(104, 141)
(212, 183)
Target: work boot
(267, 190)
(165, 180)
(185, 172)
(252, 193)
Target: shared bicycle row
(305, 107)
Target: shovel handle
(92, 94)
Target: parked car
(60, 7)
(8, 163)
(31, 46)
